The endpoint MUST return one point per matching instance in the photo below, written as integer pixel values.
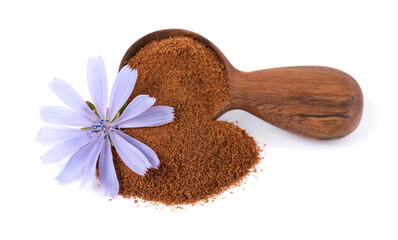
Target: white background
(345, 189)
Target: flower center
(101, 128)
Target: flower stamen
(101, 129)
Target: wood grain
(310, 101)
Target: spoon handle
(310, 101)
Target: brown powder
(199, 157)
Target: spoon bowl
(311, 101)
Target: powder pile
(199, 157)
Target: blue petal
(78, 162)
(63, 116)
(98, 85)
(130, 155)
(154, 116)
(107, 173)
(139, 105)
(147, 151)
(65, 149)
(72, 98)
(90, 168)
(52, 136)
(121, 90)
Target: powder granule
(199, 157)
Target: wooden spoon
(310, 101)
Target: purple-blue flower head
(99, 128)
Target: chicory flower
(100, 127)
